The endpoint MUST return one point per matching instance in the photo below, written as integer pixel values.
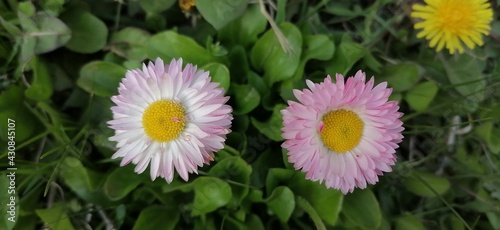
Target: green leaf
(346, 55)
(408, 222)
(157, 217)
(245, 30)
(253, 221)
(268, 55)
(219, 73)
(10, 27)
(419, 181)
(400, 77)
(156, 6)
(210, 194)
(272, 127)
(27, 49)
(26, 8)
(278, 176)
(465, 72)
(453, 222)
(121, 182)
(101, 78)
(88, 33)
(41, 87)
(362, 209)
(169, 45)
(130, 43)
(371, 62)
(82, 181)
(246, 98)
(234, 169)
(52, 7)
(49, 32)
(493, 143)
(326, 202)
(421, 96)
(318, 47)
(9, 211)
(220, 12)
(11, 107)
(281, 202)
(55, 217)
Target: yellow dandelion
(186, 5)
(449, 23)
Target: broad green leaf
(130, 43)
(220, 12)
(49, 32)
(420, 96)
(453, 222)
(10, 27)
(239, 66)
(52, 7)
(245, 30)
(234, 169)
(246, 98)
(82, 181)
(11, 107)
(26, 8)
(257, 82)
(88, 33)
(326, 202)
(9, 211)
(156, 6)
(267, 54)
(157, 217)
(27, 49)
(465, 73)
(41, 87)
(319, 47)
(272, 127)
(362, 209)
(121, 182)
(400, 77)
(219, 73)
(56, 217)
(315, 47)
(168, 45)
(493, 143)
(254, 222)
(101, 78)
(255, 195)
(281, 202)
(210, 194)
(371, 62)
(408, 222)
(494, 219)
(415, 184)
(346, 55)
(278, 176)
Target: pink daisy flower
(170, 118)
(344, 134)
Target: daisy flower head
(169, 118)
(344, 133)
(449, 23)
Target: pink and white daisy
(344, 134)
(169, 118)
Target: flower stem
(312, 213)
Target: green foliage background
(60, 61)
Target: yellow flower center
(456, 17)
(341, 130)
(163, 120)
